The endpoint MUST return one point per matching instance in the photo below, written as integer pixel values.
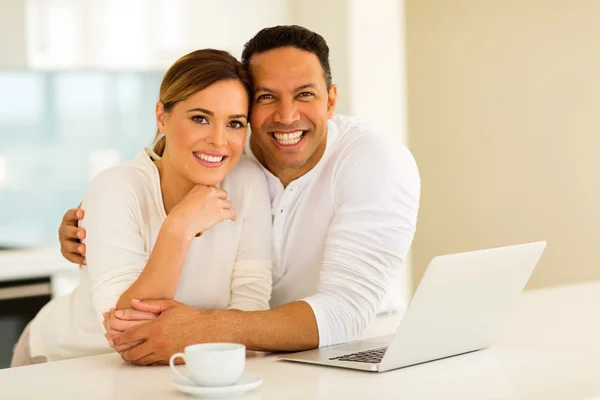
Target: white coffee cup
(212, 364)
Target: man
(344, 201)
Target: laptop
(459, 306)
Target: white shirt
(229, 266)
(342, 231)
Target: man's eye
(305, 94)
(199, 119)
(265, 97)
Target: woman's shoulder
(245, 171)
(125, 180)
(246, 176)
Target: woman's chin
(210, 176)
(209, 181)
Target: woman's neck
(173, 186)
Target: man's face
(290, 110)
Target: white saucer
(248, 381)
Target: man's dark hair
(289, 36)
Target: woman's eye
(236, 125)
(199, 119)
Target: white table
(549, 350)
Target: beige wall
(504, 121)
(12, 33)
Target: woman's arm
(159, 278)
(119, 265)
(202, 208)
(251, 281)
(116, 249)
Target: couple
(288, 248)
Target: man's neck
(287, 174)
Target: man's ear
(332, 101)
(161, 116)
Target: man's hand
(178, 325)
(118, 321)
(70, 236)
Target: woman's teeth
(212, 159)
(288, 139)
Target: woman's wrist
(179, 227)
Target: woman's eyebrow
(204, 110)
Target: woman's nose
(217, 137)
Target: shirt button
(281, 210)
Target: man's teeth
(288, 138)
(204, 157)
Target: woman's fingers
(226, 204)
(122, 325)
(228, 214)
(131, 314)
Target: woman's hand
(118, 321)
(201, 209)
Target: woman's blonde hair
(195, 72)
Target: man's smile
(288, 138)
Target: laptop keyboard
(369, 356)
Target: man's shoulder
(365, 155)
(361, 139)
(350, 126)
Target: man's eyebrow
(306, 86)
(263, 89)
(204, 110)
(310, 85)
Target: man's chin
(291, 163)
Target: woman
(178, 221)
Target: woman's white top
(229, 266)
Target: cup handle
(174, 368)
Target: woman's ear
(161, 116)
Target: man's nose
(286, 113)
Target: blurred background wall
(503, 100)
(79, 79)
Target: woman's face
(205, 133)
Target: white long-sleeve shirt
(229, 266)
(342, 231)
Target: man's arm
(291, 327)
(376, 190)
